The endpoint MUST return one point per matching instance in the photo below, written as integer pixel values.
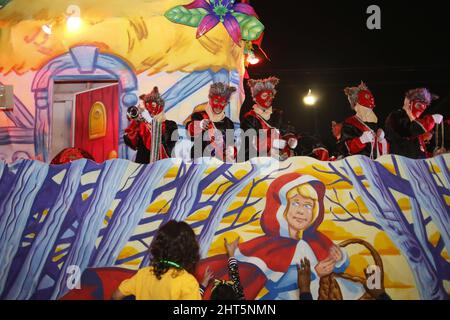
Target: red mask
(366, 99)
(153, 108)
(417, 108)
(264, 98)
(218, 103)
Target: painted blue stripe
(16, 209)
(106, 188)
(28, 277)
(11, 135)
(127, 216)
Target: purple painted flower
(221, 11)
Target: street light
(310, 99)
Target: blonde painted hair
(306, 191)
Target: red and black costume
(150, 133)
(406, 129)
(262, 131)
(360, 133)
(210, 130)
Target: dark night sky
(326, 46)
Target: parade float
(59, 221)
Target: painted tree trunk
(184, 199)
(387, 213)
(219, 209)
(80, 252)
(28, 277)
(127, 216)
(420, 229)
(425, 189)
(444, 169)
(2, 168)
(15, 211)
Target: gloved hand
(278, 144)
(292, 142)
(230, 154)
(204, 124)
(381, 135)
(438, 118)
(367, 137)
(146, 115)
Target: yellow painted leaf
(222, 186)
(259, 191)
(199, 215)
(127, 252)
(447, 199)
(240, 174)
(434, 239)
(156, 206)
(390, 168)
(333, 231)
(392, 284)
(383, 245)
(57, 258)
(262, 293)
(404, 204)
(245, 216)
(218, 245)
(172, 173)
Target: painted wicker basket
(329, 287)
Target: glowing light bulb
(73, 24)
(252, 59)
(310, 99)
(74, 18)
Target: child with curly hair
(175, 254)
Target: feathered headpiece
(221, 89)
(257, 86)
(422, 95)
(360, 94)
(153, 96)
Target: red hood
(272, 221)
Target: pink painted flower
(221, 11)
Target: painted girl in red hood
(294, 210)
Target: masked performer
(360, 133)
(149, 132)
(406, 129)
(262, 132)
(211, 131)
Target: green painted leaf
(251, 27)
(3, 3)
(181, 15)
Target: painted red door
(97, 122)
